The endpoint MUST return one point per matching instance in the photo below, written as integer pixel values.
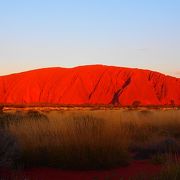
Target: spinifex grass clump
(77, 142)
(7, 118)
(35, 115)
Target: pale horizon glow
(128, 33)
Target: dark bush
(9, 150)
(136, 104)
(167, 145)
(7, 118)
(36, 115)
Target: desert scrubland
(89, 139)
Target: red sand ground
(136, 168)
(95, 84)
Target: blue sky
(132, 33)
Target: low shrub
(35, 115)
(9, 150)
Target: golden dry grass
(72, 140)
(93, 139)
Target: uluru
(90, 85)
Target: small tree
(136, 104)
(172, 103)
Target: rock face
(95, 84)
